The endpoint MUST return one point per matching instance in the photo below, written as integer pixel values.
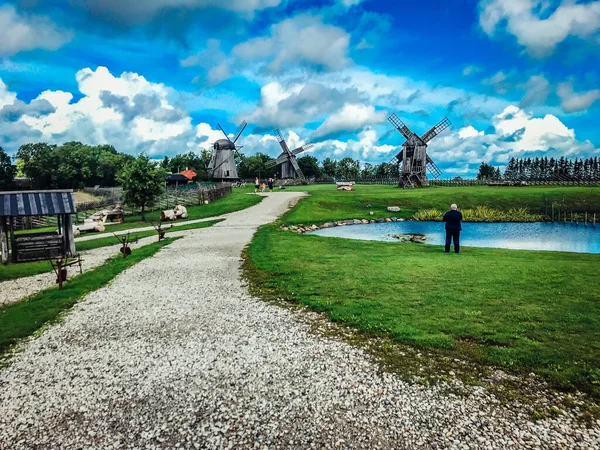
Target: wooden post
(13, 244)
(60, 275)
(3, 240)
(69, 238)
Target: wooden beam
(13, 245)
(3, 240)
(69, 237)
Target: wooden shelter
(36, 246)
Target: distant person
(256, 185)
(263, 187)
(453, 219)
(270, 184)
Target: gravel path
(176, 354)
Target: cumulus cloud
(575, 102)
(499, 82)
(535, 27)
(213, 59)
(130, 13)
(515, 133)
(23, 33)
(351, 117)
(303, 39)
(537, 89)
(295, 104)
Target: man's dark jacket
(453, 219)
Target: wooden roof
(37, 203)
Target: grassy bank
(22, 319)
(235, 202)
(14, 271)
(327, 204)
(527, 311)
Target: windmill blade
(281, 141)
(279, 160)
(302, 149)
(297, 169)
(433, 169)
(242, 157)
(239, 131)
(223, 162)
(400, 126)
(433, 132)
(399, 157)
(226, 137)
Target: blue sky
(515, 77)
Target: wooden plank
(3, 240)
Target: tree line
(543, 169)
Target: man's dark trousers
(453, 236)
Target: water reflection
(523, 236)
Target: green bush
(482, 214)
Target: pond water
(523, 236)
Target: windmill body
(222, 163)
(287, 166)
(413, 158)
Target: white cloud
(23, 33)
(471, 70)
(303, 39)
(136, 12)
(516, 133)
(213, 59)
(351, 117)
(6, 97)
(499, 82)
(575, 102)
(540, 36)
(537, 89)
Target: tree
(39, 164)
(142, 183)
(7, 171)
(256, 166)
(329, 167)
(368, 171)
(347, 169)
(486, 172)
(309, 166)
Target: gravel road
(176, 354)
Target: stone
(357, 222)
(380, 220)
(364, 221)
(371, 221)
(393, 208)
(327, 225)
(388, 219)
(394, 219)
(314, 227)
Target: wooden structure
(222, 163)
(287, 166)
(414, 158)
(36, 246)
(345, 185)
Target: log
(167, 214)
(180, 212)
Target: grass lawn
(327, 204)
(521, 310)
(13, 271)
(22, 319)
(236, 201)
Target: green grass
(521, 310)
(14, 271)
(22, 319)
(327, 204)
(237, 201)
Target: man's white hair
(453, 206)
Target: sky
(517, 78)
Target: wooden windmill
(287, 166)
(222, 163)
(414, 158)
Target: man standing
(270, 184)
(453, 220)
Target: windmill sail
(239, 131)
(400, 126)
(434, 131)
(433, 169)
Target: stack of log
(179, 212)
(345, 185)
(97, 221)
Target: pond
(520, 236)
